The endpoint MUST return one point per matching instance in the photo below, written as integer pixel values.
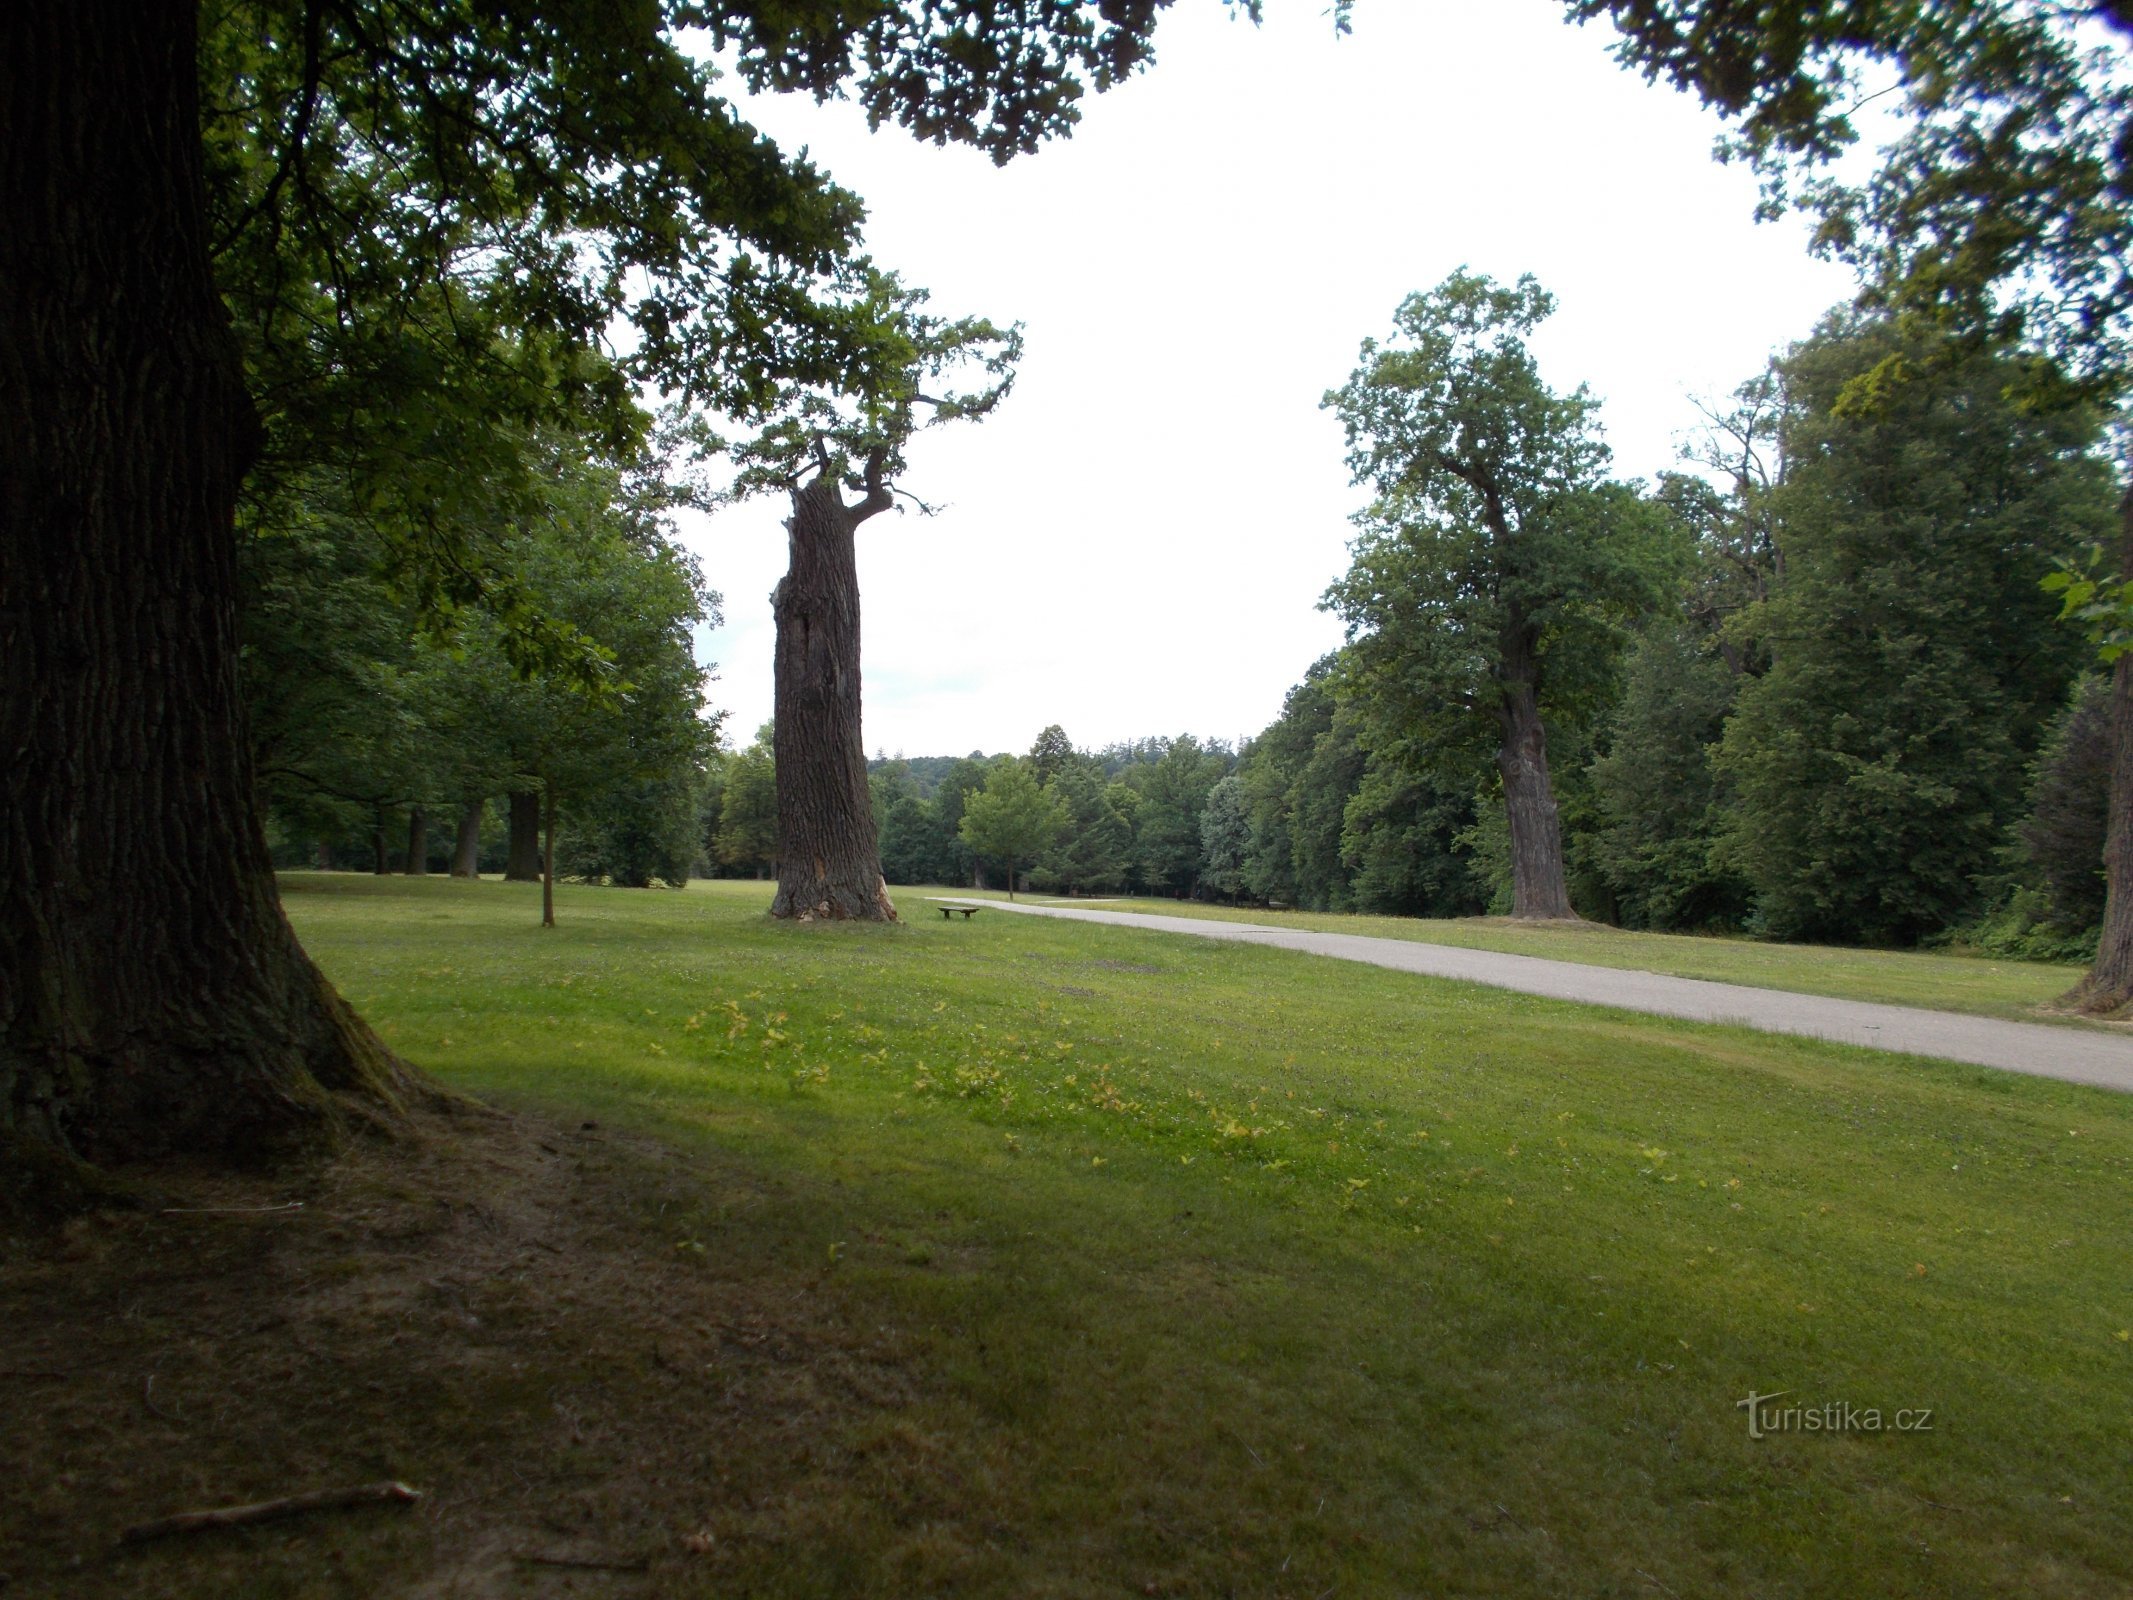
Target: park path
(2078, 1055)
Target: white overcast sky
(1135, 543)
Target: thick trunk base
(829, 862)
(466, 853)
(153, 1000)
(1538, 891)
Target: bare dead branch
(362, 1494)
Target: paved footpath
(2079, 1055)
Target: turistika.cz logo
(1766, 1417)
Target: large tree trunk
(418, 842)
(2109, 985)
(466, 854)
(829, 863)
(152, 997)
(523, 865)
(1537, 888)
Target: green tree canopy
(747, 836)
(1881, 759)
(1012, 819)
(1498, 570)
(1225, 837)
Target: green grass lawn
(1986, 986)
(1226, 1270)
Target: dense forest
(1821, 693)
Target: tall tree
(1497, 569)
(1051, 753)
(1663, 807)
(1225, 837)
(1013, 818)
(2069, 809)
(2004, 211)
(1091, 852)
(152, 996)
(1166, 826)
(398, 189)
(820, 448)
(747, 835)
(1880, 761)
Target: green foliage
(1012, 819)
(747, 837)
(1404, 838)
(636, 834)
(430, 223)
(1095, 844)
(1495, 554)
(912, 849)
(1225, 837)
(1879, 762)
(1052, 752)
(857, 432)
(1166, 825)
(1662, 808)
(359, 705)
(2069, 812)
(2026, 928)
(1498, 573)
(2004, 209)
(1269, 770)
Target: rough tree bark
(1537, 886)
(418, 842)
(152, 996)
(2109, 985)
(829, 862)
(466, 853)
(523, 865)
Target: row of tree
(371, 724)
(1814, 688)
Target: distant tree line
(1809, 687)
(1127, 818)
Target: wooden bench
(969, 908)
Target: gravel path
(2075, 1054)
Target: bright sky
(1136, 542)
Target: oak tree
(1498, 569)
(427, 220)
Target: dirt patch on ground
(550, 1331)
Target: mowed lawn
(1939, 981)
(1222, 1270)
